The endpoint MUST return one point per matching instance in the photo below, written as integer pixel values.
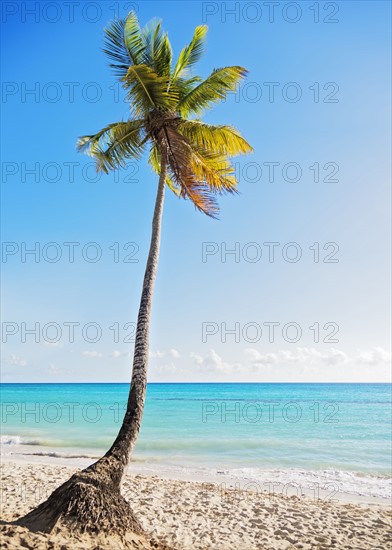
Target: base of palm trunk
(84, 504)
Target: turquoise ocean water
(343, 427)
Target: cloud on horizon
(305, 361)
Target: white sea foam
(17, 440)
(326, 484)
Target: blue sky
(316, 96)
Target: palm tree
(192, 159)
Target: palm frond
(181, 169)
(212, 89)
(216, 170)
(164, 55)
(183, 86)
(158, 52)
(84, 143)
(133, 38)
(222, 139)
(124, 44)
(147, 90)
(191, 53)
(114, 144)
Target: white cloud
(290, 364)
(259, 360)
(92, 354)
(301, 361)
(53, 369)
(17, 361)
(157, 354)
(115, 354)
(305, 357)
(213, 363)
(161, 354)
(169, 368)
(198, 359)
(375, 356)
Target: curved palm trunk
(118, 456)
(91, 500)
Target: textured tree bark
(91, 501)
(118, 456)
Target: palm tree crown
(163, 97)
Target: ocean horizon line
(206, 383)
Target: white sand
(192, 515)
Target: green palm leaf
(212, 89)
(216, 170)
(223, 139)
(114, 144)
(147, 91)
(124, 44)
(158, 51)
(192, 53)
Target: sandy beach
(186, 515)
